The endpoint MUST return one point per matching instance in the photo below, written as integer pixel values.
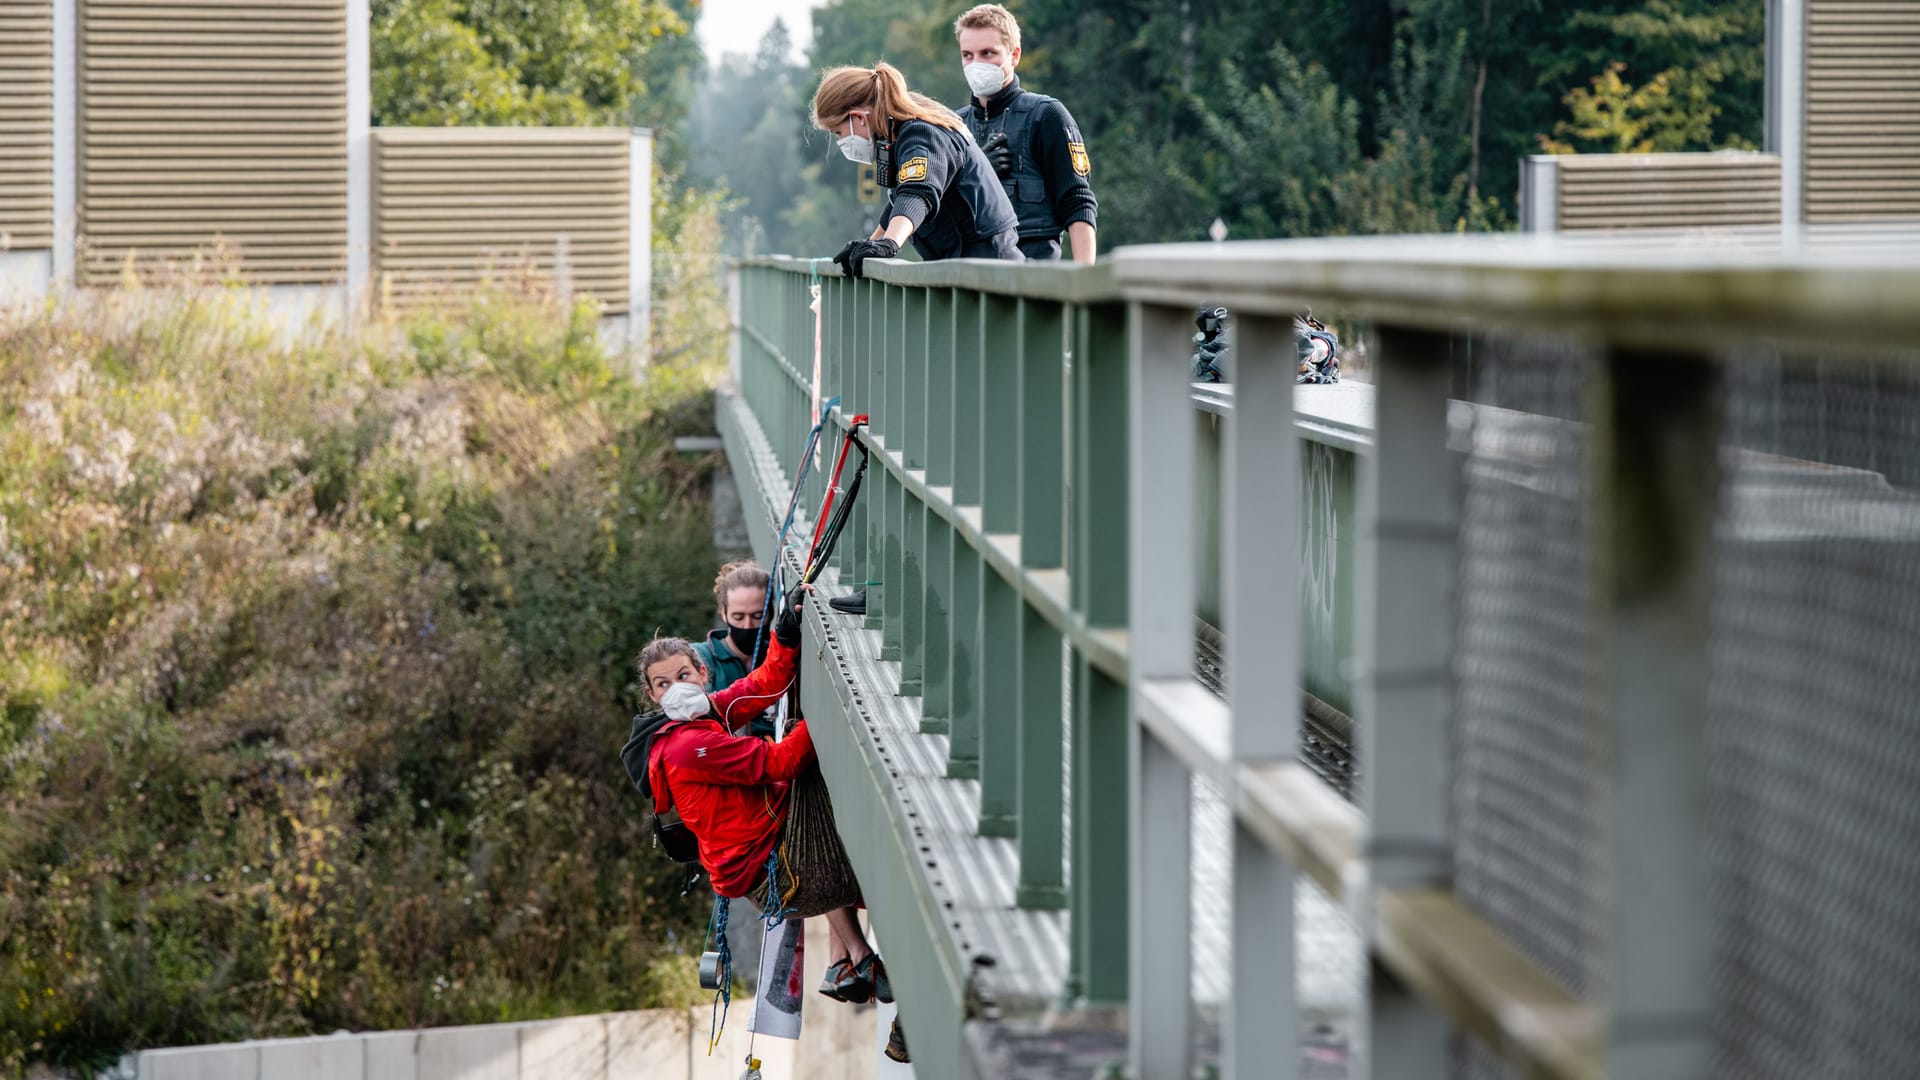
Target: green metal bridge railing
(1034, 471)
(994, 525)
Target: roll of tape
(709, 971)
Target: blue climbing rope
(777, 908)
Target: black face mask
(743, 638)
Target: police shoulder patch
(1081, 165)
(914, 168)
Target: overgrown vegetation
(312, 660)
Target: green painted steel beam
(965, 670)
(1040, 735)
(911, 594)
(1098, 900)
(1000, 416)
(1099, 525)
(1000, 636)
(1043, 422)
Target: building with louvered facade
(141, 134)
(1843, 140)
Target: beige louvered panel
(214, 121)
(26, 124)
(1863, 110)
(452, 205)
(1650, 191)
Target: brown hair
(736, 575)
(880, 88)
(663, 648)
(990, 17)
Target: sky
(736, 26)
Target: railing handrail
(1061, 282)
(1836, 288)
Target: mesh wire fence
(1814, 705)
(1520, 741)
(1814, 723)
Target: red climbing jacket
(731, 790)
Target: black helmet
(1211, 320)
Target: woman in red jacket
(759, 809)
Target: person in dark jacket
(1030, 139)
(941, 191)
(740, 593)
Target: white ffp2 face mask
(985, 80)
(684, 701)
(857, 149)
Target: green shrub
(313, 664)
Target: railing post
(1000, 604)
(913, 519)
(888, 365)
(936, 692)
(1042, 498)
(963, 744)
(1409, 526)
(1655, 458)
(1260, 538)
(1161, 597)
(856, 379)
(1098, 882)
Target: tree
(1615, 118)
(514, 62)
(1672, 75)
(748, 130)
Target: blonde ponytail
(881, 89)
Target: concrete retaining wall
(837, 1042)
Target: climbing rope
(793, 506)
(723, 997)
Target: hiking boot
(873, 971)
(897, 1044)
(854, 603)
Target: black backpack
(672, 837)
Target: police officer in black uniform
(1031, 139)
(941, 191)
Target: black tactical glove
(859, 251)
(999, 154)
(787, 629)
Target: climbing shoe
(873, 971)
(897, 1044)
(848, 985)
(837, 972)
(854, 603)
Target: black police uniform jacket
(1050, 184)
(943, 183)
